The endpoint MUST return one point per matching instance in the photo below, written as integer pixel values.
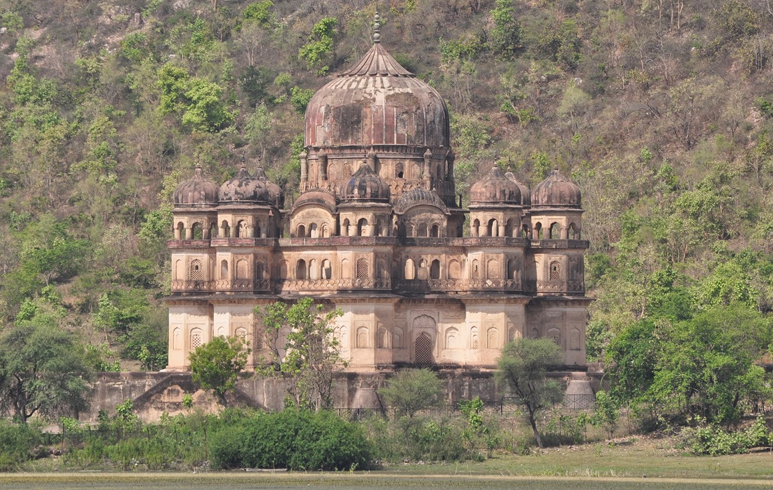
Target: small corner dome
(275, 193)
(525, 191)
(418, 197)
(495, 188)
(366, 185)
(243, 187)
(556, 190)
(196, 192)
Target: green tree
(706, 364)
(413, 390)
(216, 365)
(311, 357)
(522, 369)
(506, 35)
(260, 13)
(42, 370)
(319, 51)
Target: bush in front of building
(292, 439)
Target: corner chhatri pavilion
(377, 231)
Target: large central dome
(378, 102)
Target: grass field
(344, 481)
(631, 459)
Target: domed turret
(196, 192)
(366, 185)
(495, 188)
(525, 191)
(418, 197)
(556, 191)
(243, 188)
(317, 197)
(378, 102)
(275, 193)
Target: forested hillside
(660, 109)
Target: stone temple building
(378, 231)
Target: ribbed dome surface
(317, 197)
(418, 197)
(525, 191)
(243, 188)
(275, 193)
(196, 192)
(377, 102)
(366, 185)
(556, 190)
(495, 188)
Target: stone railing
(191, 286)
(458, 285)
(333, 284)
(235, 285)
(559, 244)
(183, 244)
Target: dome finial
(377, 29)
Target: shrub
(292, 439)
(17, 444)
(713, 440)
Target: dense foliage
(216, 365)
(293, 439)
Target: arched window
(452, 338)
(226, 229)
(422, 230)
(362, 269)
(313, 233)
(383, 338)
(434, 232)
(555, 231)
(223, 269)
(198, 232)
(345, 231)
(399, 171)
(474, 342)
(241, 333)
(555, 271)
(574, 233)
(221, 331)
(410, 230)
(257, 230)
(284, 267)
(362, 338)
(313, 270)
(511, 269)
(525, 231)
(410, 270)
(454, 270)
(327, 269)
(423, 349)
(377, 228)
(492, 338)
(362, 227)
(397, 338)
(179, 231)
(213, 230)
(179, 270)
(493, 228)
(475, 272)
(325, 231)
(346, 269)
(260, 270)
(538, 231)
(574, 339)
(196, 338)
(300, 270)
(434, 270)
(301, 231)
(511, 228)
(241, 269)
(475, 231)
(177, 339)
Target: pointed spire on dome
(377, 61)
(377, 29)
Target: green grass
(343, 481)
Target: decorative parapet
(332, 285)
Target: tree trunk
(533, 424)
